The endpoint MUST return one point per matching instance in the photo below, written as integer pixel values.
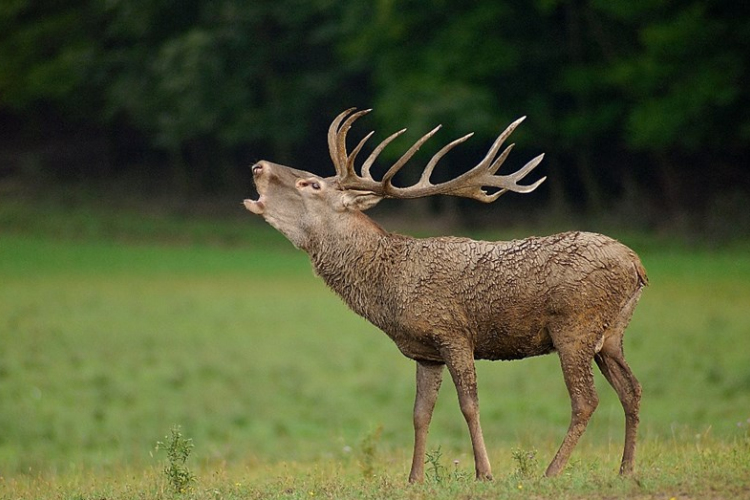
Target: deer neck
(352, 258)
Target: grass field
(112, 336)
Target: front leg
(460, 363)
(429, 378)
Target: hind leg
(615, 369)
(611, 362)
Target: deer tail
(640, 271)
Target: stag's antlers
(469, 184)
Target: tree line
(633, 102)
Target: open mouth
(255, 206)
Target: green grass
(111, 337)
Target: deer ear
(359, 200)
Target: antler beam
(470, 184)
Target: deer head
(294, 201)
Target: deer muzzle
(256, 207)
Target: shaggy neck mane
(356, 260)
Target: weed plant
(178, 449)
(527, 465)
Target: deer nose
(257, 168)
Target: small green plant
(526, 463)
(178, 450)
(439, 473)
(436, 471)
(369, 451)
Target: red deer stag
(447, 301)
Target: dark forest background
(642, 108)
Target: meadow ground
(111, 333)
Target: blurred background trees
(641, 107)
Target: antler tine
(500, 159)
(355, 152)
(500, 140)
(427, 173)
(342, 162)
(332, 142)
(375, 152)
(489, 162)
(348, 166)
(521, 173)
(407, 156)
(515, 177)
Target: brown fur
(447, 301)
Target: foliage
(229, 71)
(526, 463)
(369, 449)
(630, 101)
(435, 470)
(49, 52)
(439, 474)
(178, 450)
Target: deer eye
(315, 186)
